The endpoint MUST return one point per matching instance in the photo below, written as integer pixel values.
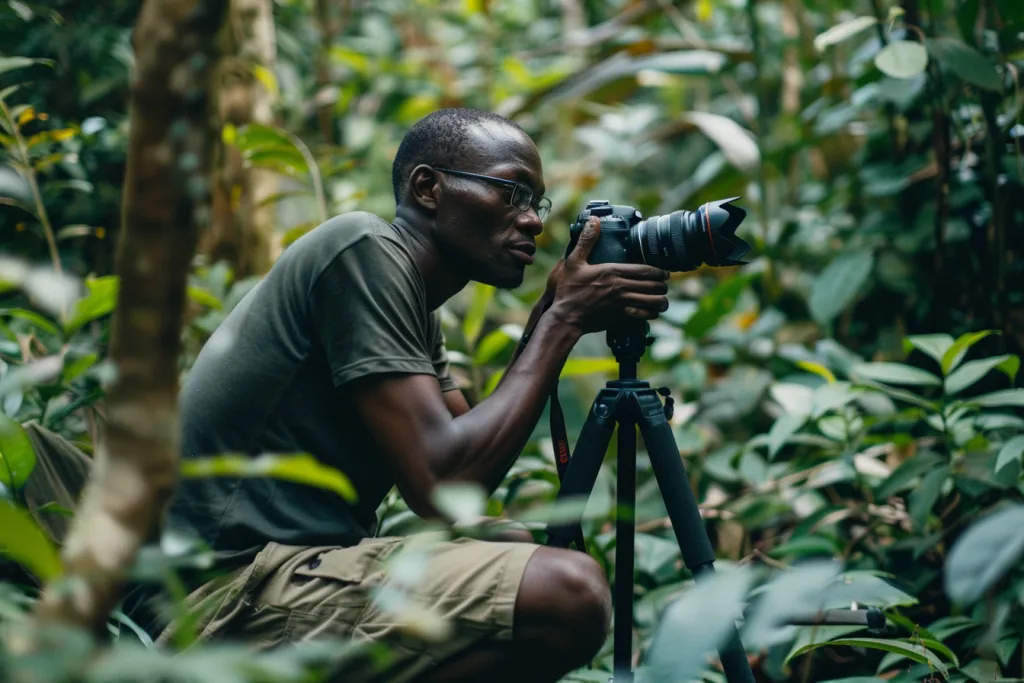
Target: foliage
(848, 405)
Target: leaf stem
(314, 172)
(37, 197)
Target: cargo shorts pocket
(334, 577)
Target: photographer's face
(480, 232)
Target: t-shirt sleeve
(440, 357)
(370, 317)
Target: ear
(424, 187)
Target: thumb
(587, 240)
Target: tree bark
(241, 230)
(166, 202)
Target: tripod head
(628, 342)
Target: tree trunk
(166, 202)
(241, 230)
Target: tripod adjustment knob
(669, 403)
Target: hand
(593, 297)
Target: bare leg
(562, 615)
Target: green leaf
(935, 345)
(843, 31)
(701, 618)
(864, 588)
(1010, 452)
(922, 499)
(22, 540)
(301, 468)
(966, 62)
(909, 649)
(17, 459)
(908, 472)
(73, 369)
(817, 369)
(32, 317)
(955, 353)
(203, 297)
(1010, 366)
(737, 143)
(588, 366)
(969, 373)
(101, 300)
(984, 553)
(12, 63)
(474, 320)
(463, 502)
(836, 287)
(1006, 397)
(715, 305)
(491, 345)
(895, 373)
(902, 59)
(783, 428)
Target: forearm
(486, 441)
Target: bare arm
(413, 422)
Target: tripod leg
(625, 543)
(585, 464)
(687, 523)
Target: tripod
(630, 403)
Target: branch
(166, 197)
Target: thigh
(418, 599)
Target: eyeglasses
(522, 195)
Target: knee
(566, 592)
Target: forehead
(499, 149)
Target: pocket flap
(355, 564)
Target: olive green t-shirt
(344, 301)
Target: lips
(523, 251)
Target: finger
(649, 302)
(587, 240)
(641, 286)
(641, 313)
(637, 271)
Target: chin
(502, 280)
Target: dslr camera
(678, 241)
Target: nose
(530, 223)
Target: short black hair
(438, 138)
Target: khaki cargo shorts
(414, 600)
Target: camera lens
(683, 240)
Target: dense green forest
(848, 404)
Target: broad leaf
(300, 468)
(737, 143)
(895, 373)
(783, 428)
(790, 593)
(912, 650)
(922, 499)
(101, 300)
(971, 372)
(715, 305)
(17, 459)
(902, 59)
(12, 63)
(1010, 452)
(935, 345)
(955, 353)
(843, 31)
(836, 287)
(22, 540)
(965, 62)
(985, 552)
(695, 625)
(474, 320)
(1006, 397)
(461, 502)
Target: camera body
(678, 241)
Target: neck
(441, 280)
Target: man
(338, 352)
